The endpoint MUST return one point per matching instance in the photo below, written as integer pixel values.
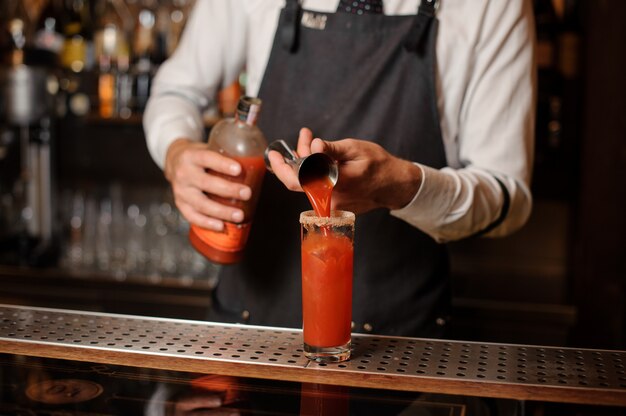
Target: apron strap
(425, 14)
(291, 23)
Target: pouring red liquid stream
(319, 191)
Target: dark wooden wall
(599, 257)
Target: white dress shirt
(486, 82)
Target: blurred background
(87, 219)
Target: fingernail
(245, 193)
(235, 169)
(215, 225)
(237, 216)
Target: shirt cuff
(432, 200)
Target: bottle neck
(248, 117)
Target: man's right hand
(195, 173)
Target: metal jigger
(314, 166)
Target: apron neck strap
(291, 22)
(425, 15)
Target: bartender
(427, 106)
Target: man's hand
(369, 176)
(197, 173)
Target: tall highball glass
(327, 247)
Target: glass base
(327, 354)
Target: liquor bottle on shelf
(77, 52)
(113, 57)
(144, 51)
(18, 27)
(49, 32)
(171, 19)
(238, 138)
(144, 29)
(113, 26)
(77, 58)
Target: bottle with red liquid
(240, 139)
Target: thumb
(340, 150)
(333, 149)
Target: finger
(220, 186)
(216, 162)
(211, 173)
(341, 150)
(333, 149)
(304, 142)
(319, 146)
(195, 218)
(206, 206)
(284, 172)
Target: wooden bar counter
(517, 373)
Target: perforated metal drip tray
(409, 364)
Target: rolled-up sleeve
(495, 137)
(210, 55)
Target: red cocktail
(327, 264)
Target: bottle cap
(249, 108)
(247, 104)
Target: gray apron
(342, 75)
